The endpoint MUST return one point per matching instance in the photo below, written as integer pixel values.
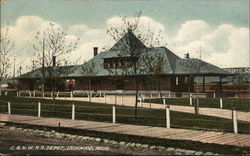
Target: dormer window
(119, 62)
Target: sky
(219, 27)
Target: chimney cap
(95, 51)
(54, 61)
(187, 55)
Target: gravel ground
(13, 141)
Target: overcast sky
(220, 27)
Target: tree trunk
(53, 94)
(115, 92)
(239, 94)
(89, 87)
(53, 90)
(136, 95)
(189, 84)
(159, 89)
(42, 90)
(149, 89)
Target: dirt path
(241, 140)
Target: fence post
(17, 94)
(214, 95)
(43, 94)
(39, 109)
(30, 93)
(6, 93)
(168, 116)
(73, 111)
(235, 120)
(143, 97)
(150, 100)
(169, 95)
(164, 102)
(113, 113)
(104, 95)
(221, 103)
(51, 94)
(190, 101)
(122, 99)
(140, 99)
(57, 95)
(196, 106)
(9, 110)
(71, 95)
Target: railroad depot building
(127, 63)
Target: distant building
(238, 70)
(113, 70)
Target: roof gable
(128, 45)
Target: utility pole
(43, 68)
(14, 69)
(43, 58)
(20, 70)
(33, 65)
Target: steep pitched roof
(130, 46)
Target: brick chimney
(54, 61)
(95, 51)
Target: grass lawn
(103, 112)
(243, 105)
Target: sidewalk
(130, 101)
(242, 140)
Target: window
(116, 64)
(186, 80)
(176, 81)
(110, 63)
(122, 63)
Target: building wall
(122, 83)
(127, 83)
(180, 83)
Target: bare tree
(52, 43)
(153, 66)
(238, 81)
(7, 47)
(89, 70)
(194, 67)
(131, 48)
